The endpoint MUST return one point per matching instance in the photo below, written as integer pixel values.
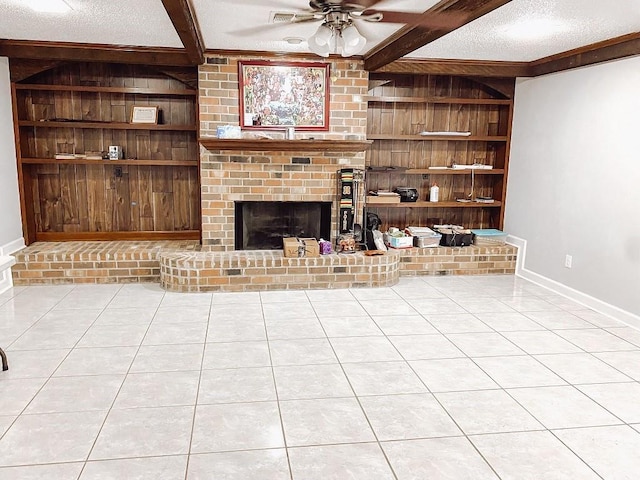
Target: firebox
(261, 225)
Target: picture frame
(144, 114)
(279, 95)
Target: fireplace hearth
(262, 225)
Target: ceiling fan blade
(275, 26)
(435, 21)
(274, 4)
(364, 4)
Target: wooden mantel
(269, 145)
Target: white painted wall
(574, 179)
(10, 222)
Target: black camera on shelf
(407, 194)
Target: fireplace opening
(261, 225)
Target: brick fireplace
(230, 176)
(233, 175)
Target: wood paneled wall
(77, 198)
(105, 198)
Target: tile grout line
(195, 405)
(275, 388)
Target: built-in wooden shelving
(86, 107)
(463, 122)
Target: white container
(434, 191)
(290, 133)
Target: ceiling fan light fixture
(320, 42)
(352, 41)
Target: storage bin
(430, 241)
(488, 237)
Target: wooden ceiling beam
(612, 49)
(479, 68)
(412, 37)
(84, 52)
(186, 26)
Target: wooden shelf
(430, 138)
(84, 161)
(424, 204)
(436, 100)
(107, 126)
(266, 145)
(439, 171)
(89, 88)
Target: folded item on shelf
(445, 134)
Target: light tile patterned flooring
(435, 378)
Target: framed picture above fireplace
(277, 95)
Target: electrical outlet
(117, 172)
(568, 260)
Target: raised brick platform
(182, 266)
(269, 270)
(46, 263)
(470, 260)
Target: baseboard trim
(6, 280)
(12, 247)
(577, 296)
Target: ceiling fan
(338, 31)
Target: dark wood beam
(84, 52)
(612, 49)
(412, 37)
(479, 68)
(186, 25)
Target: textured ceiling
(577, 23)
(245, 25)
(118, 22)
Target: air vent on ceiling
(282, 17)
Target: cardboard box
(300, 247)
(398, 242)
(383, 199)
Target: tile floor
(435, 378)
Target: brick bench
(471, 260)
(270, 270)
(47, 263)
(181, 266)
